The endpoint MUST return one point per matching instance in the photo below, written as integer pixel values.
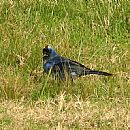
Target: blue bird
(58, 66)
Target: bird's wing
(74, 68)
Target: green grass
(95, 33)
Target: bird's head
(48, 51)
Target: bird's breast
(47, 67)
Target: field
(94, 33)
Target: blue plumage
(59, 66)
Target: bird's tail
(97, 72)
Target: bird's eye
(46, 51)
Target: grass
(95, 33)
(57, 113)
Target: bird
(59, 66)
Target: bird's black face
(46, 51)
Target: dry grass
(60, 114)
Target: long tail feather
(98, 72)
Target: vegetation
(95, 33)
